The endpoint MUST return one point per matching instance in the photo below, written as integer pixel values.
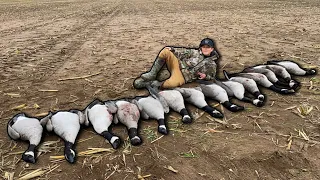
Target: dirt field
(116, 40)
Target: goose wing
(134, 101)
(13, 133)
(112, 107)
(80, 114)
(115, 119)
(44, 120)
(49, 125)
(185, 93)
(86, 117)
(82, 117)
(155, 94)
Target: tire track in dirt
(73, 46)
(54, 58)
(50, 62)
(57, 18)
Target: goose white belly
(267, 72)
(237, 88)
(292, 68)
(197, 97)
(152, 107)
(249, 84)
(174, 99)
(100, 118)
(277, 69)
(66, 125)
(259, 78)
(29, 129)
(216, 92)
(128, 113)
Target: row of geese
(275, 75)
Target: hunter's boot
(156, 67)
(163, 74)
(140, 83)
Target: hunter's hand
(202, 75)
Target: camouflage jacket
(192, 61)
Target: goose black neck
(247, 99)
(132, 132)
(287, 79)
(208, 109)
(68, 145)
(31, 147)
(227, 104)
(161, 122)
(256, 94)
(107, 135)
(274, 88)
(184, 112)
(280, 83)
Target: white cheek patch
(292, 83)
(72, 152)
(215, 112)
(261, 97)
(163, 127)
(29, 153)
(113, 139)
(233, 105)
(136, 137)
(256, 101)
(186, 116)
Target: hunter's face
(206, 50)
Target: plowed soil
(113, 41)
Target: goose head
(70, 155)
(28, 156)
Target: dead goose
(197, 98)
(154, 92)
(175, 102)
(269, 71)
(237, 90)
(277, 69)
(249, 84)
(262, 80)
(129, 115)
(99, 114)
(66, 124)
(151, 108)
(216, 92)
(26, 128)
(293, 67)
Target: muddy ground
(113, 41)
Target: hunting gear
(183, 65)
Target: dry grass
(89, 152)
